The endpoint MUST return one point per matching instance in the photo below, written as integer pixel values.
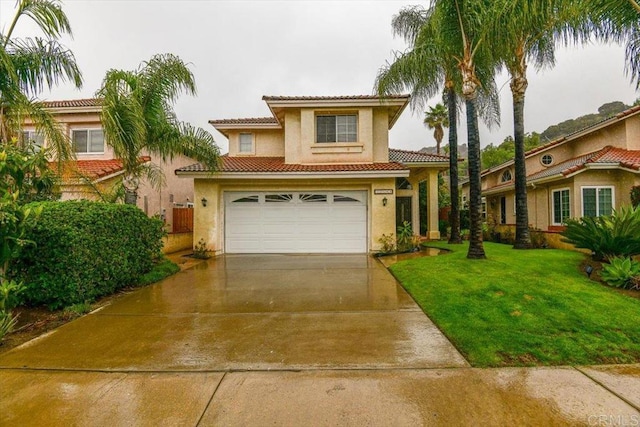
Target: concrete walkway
(286, 340)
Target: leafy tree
(437, 118)
(493, 155)
(138, 117)
(29, 65)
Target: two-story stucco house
(587, 173)
(317, 176)
(95, 161)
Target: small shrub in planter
(84, 250)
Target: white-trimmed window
(245, 144)
(597, 201)
(35, 137)
(561, 206)
(337, 128)
(87, 141)
(506, 176)
(546, 160)
(484, 209)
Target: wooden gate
(182, 220)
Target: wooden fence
(182, 220)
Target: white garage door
(296, 222)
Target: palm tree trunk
(131, 197)
(476, 250)
(523, 239)
(453, 166)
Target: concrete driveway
(283, 340)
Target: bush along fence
(84, 250)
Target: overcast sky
(242, 50)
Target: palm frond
(47, 14)
(39, 62)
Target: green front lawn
(518, 307)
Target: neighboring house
(80, 120)
(587, 173)
(317, 176)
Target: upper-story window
(547, 160)
(337, 128)
(506, 176)
(246, 143)
(88, 140)
(35, 137)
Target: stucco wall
(266, 143)
(175, 242)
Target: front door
(403, 210)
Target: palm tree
(138, 118)
(29, 65)
(467, 24)
(437, 118)
(423, 70)
(618, 21)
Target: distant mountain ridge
(561, 129)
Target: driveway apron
(253, 312)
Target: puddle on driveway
(389, 260)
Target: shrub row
(84, 250)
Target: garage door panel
(302, 222)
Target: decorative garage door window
(313, 198)
(297, 198)
(248, 199)
(338, 198)
(278, 198)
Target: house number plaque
(383, 191)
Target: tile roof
(405, 156)
(245, 121)
(610, 120)
(70, 103)
(277, 165)
(94, 169)
(616, 157)
(330, 98)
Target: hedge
(84, 250)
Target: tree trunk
(523, 239)
(131, 197)
(476, 250)
(453, 166)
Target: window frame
(88, 130)
(33, 132)
(337, 132)
(548, 155)
(252, 143)
(553, 205)
(597, 188)
(504, 174)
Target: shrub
(443, 227)
(621, 272)
(84, 250)
(201, 251)
(606, 236)
(387, 243)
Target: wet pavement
(286, 340)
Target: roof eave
(399, 173)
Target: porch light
(204, 202)
(384, 201)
